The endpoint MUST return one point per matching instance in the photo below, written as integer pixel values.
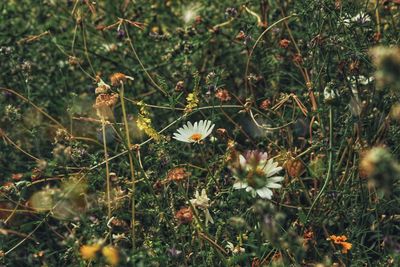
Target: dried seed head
(106, 100)
(105, 104)
(184, 215)
(294, 167)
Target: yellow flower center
(195, 137)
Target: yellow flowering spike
(192, 102)
(88, 252)
(111, 255)
(193, 98)
(144, 122)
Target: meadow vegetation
(199, 133)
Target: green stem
(103, 123)
(330, 163)
(131, 166)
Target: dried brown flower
(119, 223)
(179, 86)
(308, 234)
(354, 66)
(265, 104)
(184, 215)
(223, 95)
(104, 105)
(108, 100)
(177, 174)
(222, 132)
(308, 237)
(284, 43)
(102, 89)
(198, 19)
(17, 176)
(294, 167)
(157, 186)
(297, 58)
(338, 4)
(119, 77)
(74, 61)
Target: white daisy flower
(361, 18)
(194, 133)
(254, 162)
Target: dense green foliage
(314, 84)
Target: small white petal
(242, 161)
(210, 129)
(275, 179)
(249, 188)
(239, 185)
(273, 185)
(265, 192)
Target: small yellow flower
(88, 252)
(111, 254)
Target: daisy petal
(264, 192)
(239, 185)
(273, 185)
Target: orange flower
(346, 247)
(341, 240)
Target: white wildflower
(202, 202)
(194, 133)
